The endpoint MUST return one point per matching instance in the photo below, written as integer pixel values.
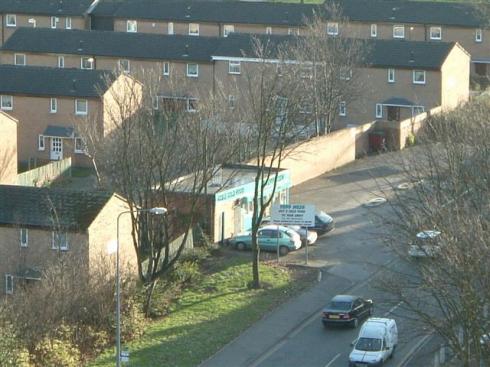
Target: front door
(393, 113)
(56, 149)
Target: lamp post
(155, 211)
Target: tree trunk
(255, 262)
(149, 297)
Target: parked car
(376, 343)
(312, 235)
(268, 239)
(425, 244)
(323, 223)
(346, 309)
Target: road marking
(414, 349)
(333, 360)
(393, 308)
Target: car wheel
(355, 323)
(240, 246)
(283, 250)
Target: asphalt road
(352, 258)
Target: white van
(376, 343)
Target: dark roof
(59, 131)
(45, 7)
(208, 11)
(115, 44)
(32, 80)
(402, 11)
(380, 53)
(399, 101)
(32, 207)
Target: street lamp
(155, 211)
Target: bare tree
(446, 284)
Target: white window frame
(61, 62)
(231, 101)
(68, 23)
(415, 81)
(188, 105)
(345, 74)
(194, 32)
(478, 35)
(374, 30)
(3, 99)
(170, 28)
(434, 29)
(41, 142)
(268, 30)
(121, 67)
(54, 22)
(234, 67)
(227, 29)
(20, 55)
(9, 18)
(75, 145)
(53, 105)
(391, 75)
(342, 109)
(333, 28)
(62, 247)
(196, 75)
(379, 111)
(78, 112)
(131, 26)
(155, 102)
(166, 68)
(9, 278)
(26, 242)
(398, 27)
(89, 60)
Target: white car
(312, 235)
(425, 244)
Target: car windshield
(342, 306)
(368, 344)
(324, 217)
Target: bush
(12, 352)
(57, 351)
(186, 272)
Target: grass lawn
(213, 311)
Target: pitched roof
(380, 53)
(33, 80)
(112, 44)
(402, 11)
(45, 7)
(33, 207)
(208, 11)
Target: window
(87, 63)
(80, 146)
(417, 110)
(391, 75)
(60, 241)
(68, 23)
(398, 31)
(170, 28)
(481, 69)
(81, 107)
(193, 29)
(435, 33)
(132, 26)
(9, 284)
(333, 28)
(306, 71)
(54, 22)
(379, 110)
(268, 30)
(23, 237)
(234, 67)
(418, 77)
(345, 73)
(231, 101)
(478, 35)
(154, 102)
(53, 105)
(191, 105)
(61, 61)
(342, 109)
(166, 68)
(227, 29)
(40, 142)
(11, 20)
(192, 70)
(293, 31)
(20, 59)
(374, 30)
(124, 66)
(6, 102)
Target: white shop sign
(293, 214)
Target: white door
(56, 149)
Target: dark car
(323, 223)
(345, 309)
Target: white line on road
(333, 360)
(412, 351)
(393, 309)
